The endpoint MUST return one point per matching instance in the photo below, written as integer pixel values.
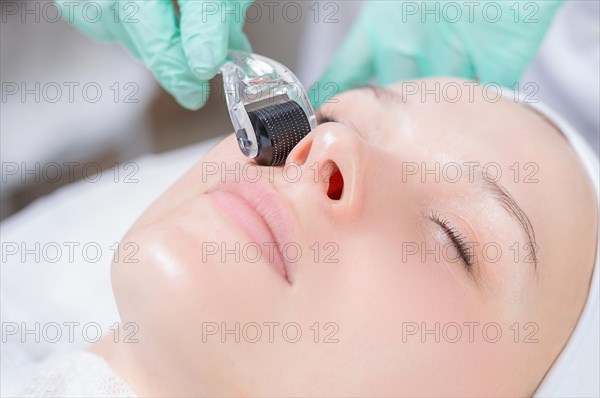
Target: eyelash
(331, 118)
(458, 239)
(324, 118)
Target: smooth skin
(376, 289)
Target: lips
(258, 210)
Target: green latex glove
(183, 51)
(390, 42)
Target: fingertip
(191, 104)
(204, 61)
(193, 99)
(189, 92)
(204, 37)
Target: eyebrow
(511, 206)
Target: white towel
(73, 374)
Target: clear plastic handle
(251, 79)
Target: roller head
(279, 128)
(268, 107)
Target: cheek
(227, 149)
(217, 164)
(171, 285)
(399, 314)
(377, 279)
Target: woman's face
(420, 248)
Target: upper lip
(267, 203)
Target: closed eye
(325, 118)
(458, 240)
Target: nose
(332, 159)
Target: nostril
(335, 181)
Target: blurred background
(71, 106)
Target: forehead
(470, 122)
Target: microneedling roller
(267, 105)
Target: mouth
(258, 211)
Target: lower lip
(254, 226)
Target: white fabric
(74, 374)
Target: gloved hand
(492, 42)
(183, 52)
